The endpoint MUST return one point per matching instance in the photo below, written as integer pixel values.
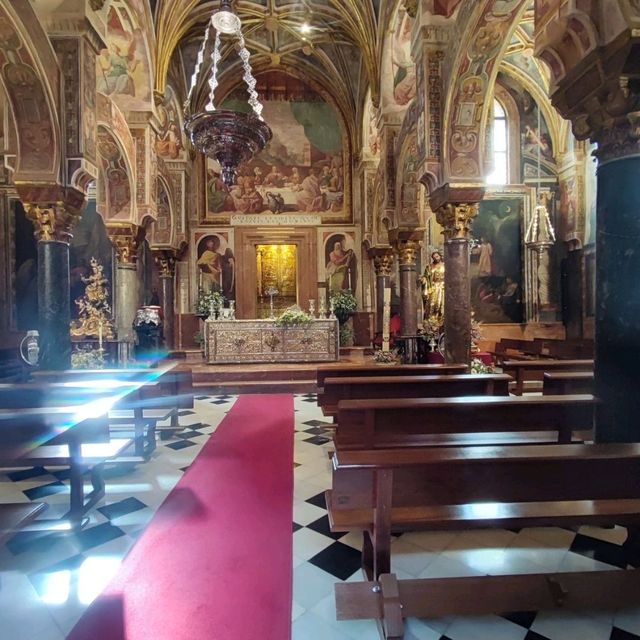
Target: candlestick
(349, 276)
(100, 336)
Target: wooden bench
(371, 387)
(564, 349)
(559, 383)
(380, 491)
(512, 348)
(15, 516)
(530, 370)
(388, 370)
(370, 424)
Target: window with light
(499, 175)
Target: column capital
(165, 260)
(382, 260)
(407, 245)
(593, 82)
(125, 237)
(456, 206)
(52, 221)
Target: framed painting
(339, 259)
(303, 170)
(501, 272)
(214, 262)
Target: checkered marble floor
(46, 582)
(321, 558)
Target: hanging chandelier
(230, 137)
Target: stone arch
(474, 73)
(30, 75)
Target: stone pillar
(407, 245)
(383, 263)
(53, 224)
(593, 88)
(455, 209)
(166, 263)
(125, 238)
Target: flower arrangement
(87, 358)
(294, 316)
(344, 304)
(385, 357)
(477, 366)
(431, 329)
(476, 334)
(207, 300)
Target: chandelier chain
(199, 62)
(248, 77)
(213, 79)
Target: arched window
(499, 175)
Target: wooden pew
(370, 370)
(378, 491)
(527, 370)
(512, 348)
(559, 383)
(372, 387)
(15, 516)
(370, 424)
(565, 349)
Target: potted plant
(208, 301)
(344, 303)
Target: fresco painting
(302, 168)
(161, 229)
(496, 261)
(169, 143)
(216, 264)
(402, 65)
(341, 262)
(117, 195)
(122, 68)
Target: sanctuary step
(258, 378)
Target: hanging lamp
(229, 137)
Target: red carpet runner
(215, 561)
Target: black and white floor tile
(321, 558)
(46, 582)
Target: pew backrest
(364, 424)
(567, 382)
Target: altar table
(236, 341)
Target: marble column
(166, 263)
(382, 263)
(125, 238)
(407, 246)
(455, 215)
(53, 224)
(617, 329)
(594, 87)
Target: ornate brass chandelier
(230, 137)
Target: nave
(47, 584)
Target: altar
(238, 341)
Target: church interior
(391, 245)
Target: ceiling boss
(230, 137)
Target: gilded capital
(125, 237)
(52, 221)
(383, 264)
(165, 262)
(408, 251)
(456, 219)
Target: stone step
(225, 374)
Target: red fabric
(215, 560)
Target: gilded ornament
(456, 219)
(52, 222)
(408, 252)
(94, 312)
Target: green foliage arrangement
(344, 304)
(346, 335)
(385, 357)
(87, 358)
(293, 317)
(207, 299)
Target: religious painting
(371, 143)
(89, 103)
(161, 228)
(216, 263)
(302, 169)
(123, 68)
(496, 260)
(169, 143)
(409, 191)
(340, 259)
(114, 176)
(402, 65)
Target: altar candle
(100, 336)
(349, 274)
(330, 280)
